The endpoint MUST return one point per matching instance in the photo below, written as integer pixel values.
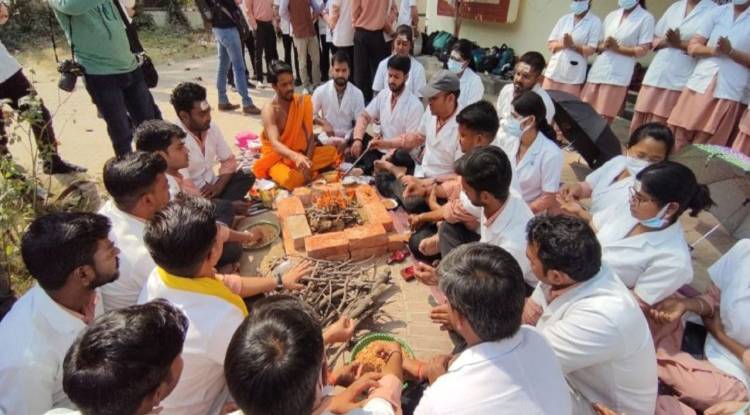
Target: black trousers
(238, 186)
(289, 51)
(369, 50)
(453, 235)
(14, 89)
(265, 45)
(325, 57)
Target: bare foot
(430, 246)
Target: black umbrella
(586, 130)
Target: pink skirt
(742, 141)
(573, 89)
(653, 105)
(606, 99)
(702, 112)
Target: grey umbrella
(727, 175)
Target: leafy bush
(30, 24)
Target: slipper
(408, 273)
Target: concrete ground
(84, 141)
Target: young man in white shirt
(402, 46)
(186, 242)
(138, 187)
(396, 110)
(337, 103)
(506, 368)
(207, 147)
(126, 362)
(527, 77)
(435, 145)
(275, 365)
(70, 256)
(591, 320)
(408, 13)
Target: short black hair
(485, 284)
(486, 169)
(480, 117)
(180, 236)
(277, 69)
(566, 244)
(672, 182)
(465, 48)
(156, 135)
(400, 63)
(122, 357)
(535, 60)
(655, 130)
(274, 361)
(129, 176)
(185, 95)
(530, 103)
(56, 244)
(406, 31)
(340, 57)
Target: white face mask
(627, 4)
(635, 165)
(579, 7)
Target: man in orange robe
(289, 154)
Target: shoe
(251, 110)
(56, 165)
(228, 107)
(250, 85)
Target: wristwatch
(279, 281)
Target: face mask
(635, 165)
(658, 221)
(629, 4)
(455, 66)
(512, 127)
(740, 2)
(579, 7)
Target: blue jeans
(124, 102)
(230, 51)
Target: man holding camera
(112, 73)
(15, 87)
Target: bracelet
(357, 139)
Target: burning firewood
(333, 211)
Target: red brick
(366, 195)
(304, 194)
(377, 213)
(289, 247)
(289, 207)
(397, 242)
(366, 236)
(366, 253)
(297, 229)
(327, 245)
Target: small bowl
(349, 181)
(390, 204)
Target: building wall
(536, 18)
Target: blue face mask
(455, 66)
(579, 7)
(628, 4)
(658, 221)
(512, 127)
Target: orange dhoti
(297, 131)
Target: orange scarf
(299, 126)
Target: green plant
(30, 24)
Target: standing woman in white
(460, 61)
(574, 38)
(709, 107)
(628, 33)
(672, 66)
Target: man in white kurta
(506, 368)
(527, 77)
(402, 46)
(40, 327)
(337, 103)
(591, 320)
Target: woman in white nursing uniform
(574, 38)
(644, 243)
(711, 103)
(609, 184)
(528, 141)
(460, 62)
(628, 33)
(671, 67)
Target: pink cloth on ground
(607, 100)
(573, 89)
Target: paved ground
(84, 141)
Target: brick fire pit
(374, 238)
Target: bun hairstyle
(530, 103)
(656, 131)
(672, 182)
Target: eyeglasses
(637, 197)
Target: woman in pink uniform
(710, 105)
(742, 141)
(628, 34)
(672, 66)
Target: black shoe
(56, 165)
(250, 85)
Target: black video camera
(69, 70)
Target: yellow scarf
(203, 285)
